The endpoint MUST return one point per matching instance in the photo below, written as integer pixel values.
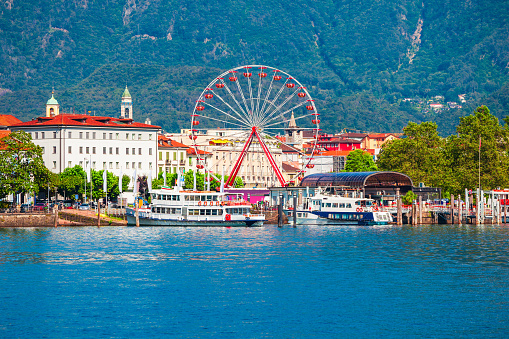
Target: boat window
(214, 197)
(187, 198)
(335, 204)
(328, 204)
(209, 198)
(323, 204)
(208, 212)
(153, 209)
(214, 212)
(357, 203)
(178, 210)
(154, 196)
(202, 212)
(342, 205)
(348, 205)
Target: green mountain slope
(359, 59)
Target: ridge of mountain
(359, 59)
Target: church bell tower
(126, 108)
(52, 106)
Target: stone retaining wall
(27, 220)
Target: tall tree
(481, 143)
(418, 154)
(22, 169)
(360, 161)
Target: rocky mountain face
(360, 60)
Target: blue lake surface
(438, 281)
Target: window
(69, 163)
(126, 165)
(134, 165)
(150, 151)
(111, 165)
(54, 149)
(117, 150)
(150, 137)
(87, 150)
(54, 135)
(81, 135)
(190, 162)
(104, 135)
(181, 155)
(139, 165)
(93, 135)
(81, 164)
(117, 165)
(104, 164)
(134, 151)
(81, 149)
(134, 136)
(93, 150)
(87, 135)
(160, 155)
(174, 155)
(54, 164)
(93, 164)
(127, 136)
(69, 149)
(117, 136)
(104, 150)
(139, 136)
(42, 135)
(139, 151)
(127, 150)
(69, 135)
(42, 150)
(111, 136)
(149, 165)
(111, 150)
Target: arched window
(127, 112)
(51, 111)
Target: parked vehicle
(24, 208)
(39, 206)
(84, 207)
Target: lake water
(437, 281)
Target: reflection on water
(431, 281)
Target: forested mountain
(358, 59)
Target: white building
(107, 143)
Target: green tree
(22, 169)
(480, 141)
(418, 154)
(360, 161)
(72, 181)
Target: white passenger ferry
(176, 207)
(325, 209)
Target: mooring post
(399, 214)
(420, 210)
(280, 211)
(451, 208)
(55, 221)
(478, 205)
(460, 219)
(294, 210)
(136, 212)
(505, 208)
(98, 212)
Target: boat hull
(325, 219)
(131, 221)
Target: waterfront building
(376, 140)
(103, 142)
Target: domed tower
(126, 108)
(52, 106)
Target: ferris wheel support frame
(238, 164)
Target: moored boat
(325, 209)
(176, 207)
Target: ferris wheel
(256, 104)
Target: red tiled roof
(167, 142)
(8, 120)
(191, 151)
(343, 153)
(381, 135)
(84, 120)
(289, 149)
(289, 166)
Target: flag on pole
(164, 178)
(120, 181)
(135, 184)
(105, 181)
(149, 181)
(87, 169)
